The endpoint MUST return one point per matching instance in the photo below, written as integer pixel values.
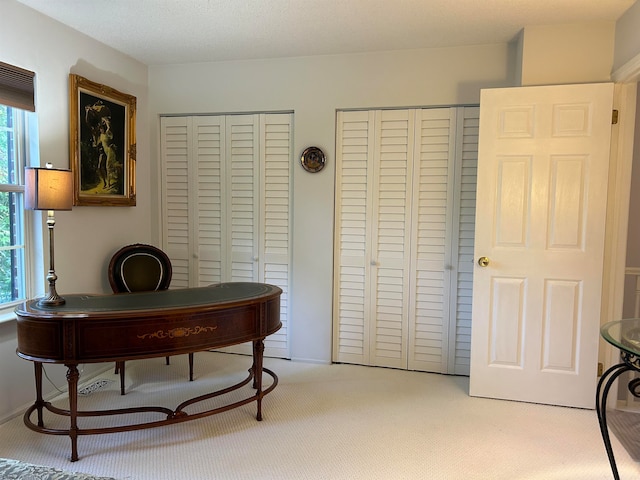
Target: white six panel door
(540, 220)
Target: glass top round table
(623, 334)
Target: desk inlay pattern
(177, 332)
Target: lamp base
(51, 301)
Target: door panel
(433, 190)
(274, 242)
(462, 239)
(176, 150)
(390, 236)
(209, 170)
(353, 211)
(242, 197)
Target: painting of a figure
(102, 144)
(101, 167)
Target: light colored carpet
(626, 427)
(328, 422)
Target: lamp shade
(48, 189)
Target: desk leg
(601, 408)
(258, 352)
(39, 400)
(72, 382)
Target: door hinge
(614, 117)
(600, 369)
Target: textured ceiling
(185, 31)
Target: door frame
(622, 138)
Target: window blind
(17, 87)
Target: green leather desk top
(222, 293)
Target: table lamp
(49, 189)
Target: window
(12, 224)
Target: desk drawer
(159, 336)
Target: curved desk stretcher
(108, 328)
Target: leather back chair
(140, 268)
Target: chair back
(139, 268)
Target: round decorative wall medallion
(312, 159)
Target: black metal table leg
(604, 385)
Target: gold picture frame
(102, 144)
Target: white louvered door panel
(354, 146)
(243, 147)
(432, 239)
(209, 150)
(276, 144)
(176, 148)
(464, 222)
(391, 222)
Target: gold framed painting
(102, 144)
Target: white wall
(85, 237)
(314, 87)
(563, 54)
(627, 40)
(633, 233)
(627, 58)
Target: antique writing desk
(109, 328)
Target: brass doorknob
(483, 261)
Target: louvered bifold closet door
(276, 144)
(226, 183)
(432, 239)
(242, 152)
(468, 120)
(176, 148)
(351, 309)
(373, 183)
(192, 148)
(391, 237)
(404, 229)
(209, 151)
(241, 208)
